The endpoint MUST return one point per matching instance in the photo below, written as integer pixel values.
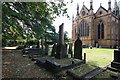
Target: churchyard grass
(99, 56)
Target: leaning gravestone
(61, 48)
(78, 49)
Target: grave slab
(81, 71)
(95, 72)
(56, 65)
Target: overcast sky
(72, 10)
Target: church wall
(96, 22)
(111, 27)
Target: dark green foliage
(30, 20)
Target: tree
(19, 17)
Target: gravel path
(14, 65)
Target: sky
(72, 11)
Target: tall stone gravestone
(78, 49)
(61, 48)
(116, 62)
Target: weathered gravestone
(78, 49)
(116, 62)
(54, 48)
(66, 45)
(46, 48)
(42, 46)
(70, 49)
(61, 48)
(38, 44)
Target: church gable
(101, 11)
(84, 11)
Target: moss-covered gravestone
(78, 49)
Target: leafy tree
(66, 38)
(20, 17)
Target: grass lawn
(99, 56)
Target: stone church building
(101, 28)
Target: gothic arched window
(84, 29)
(81, 30)
(100, 30)
(87, 30)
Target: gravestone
(61, 48)
(116, 61)
(46, 48)
(78, 49)
(42, 45)
(54, 48)
(70, 49)
(38, 44)
(66, 45)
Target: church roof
(85, 7)
(100, 11)
(101, 8)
